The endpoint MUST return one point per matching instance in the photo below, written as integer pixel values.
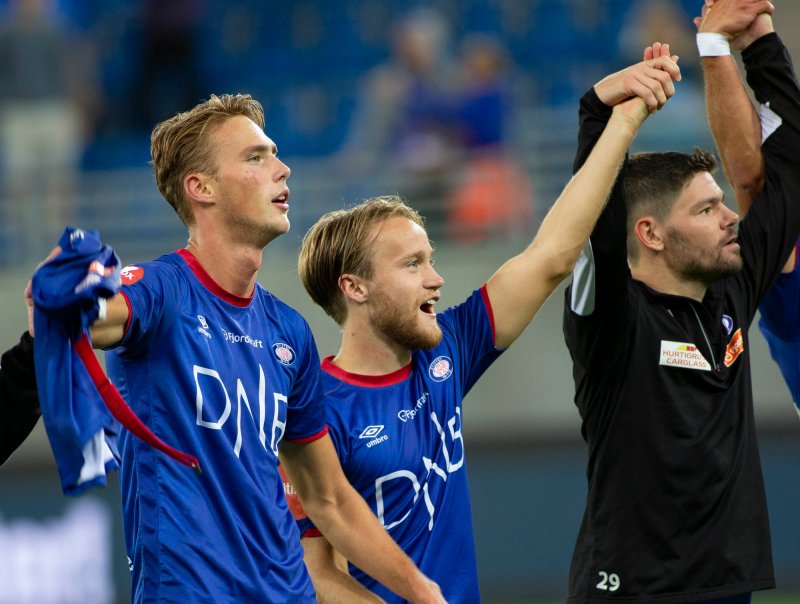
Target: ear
(354, 288)
(649, 233)
(199, 188)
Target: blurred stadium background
(467, 108)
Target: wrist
(710, 44)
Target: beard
(697, 264)
(400, 326)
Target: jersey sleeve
(596, 299)
(780, 308)
(471, 327)
(153, 302)
(772, 225)
(305, 417)
(780, 326)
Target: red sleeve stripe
(130, 314)
(489, 311)
(312, 532)
(308, 439)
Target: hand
(432, 594)
(634, 110)
(741, 21)
(29, 288)
(651, 80)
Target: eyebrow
(708, 200)
(273, 148)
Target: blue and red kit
(400, 443)
(225, 378)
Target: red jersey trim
(130, 313)
(367, 381)
(308, 439)
(312, 532)
(209, 283)
(489, 311)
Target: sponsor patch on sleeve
(682, 355)
(735, 348)
(131, 274)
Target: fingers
(53, 253)
(653, 80)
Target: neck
(366, 352)
(659, 277)
(233, 267)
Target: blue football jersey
(400, 444)
(780, 324)
(224, 378)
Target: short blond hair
(340, 243)
(180, 145)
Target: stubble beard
(694, 264)
(400, 326)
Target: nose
(435, 280)
(283, 171)
(730, 218)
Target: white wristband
(102, 303)
(713, 45)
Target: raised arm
(343, 516)
(519, 287)
(731, 115)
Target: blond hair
(181, 144)
(340, 243)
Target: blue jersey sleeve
(153, 292)
(305, 418)
(780, 325)
(470, 325)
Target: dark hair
(653, 182)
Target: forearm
(593, 117)
(563, 234)
(332, 582)
(570, 221)
(109, 331)
(354, 531)
(736, 128)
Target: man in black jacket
(656, 322)
(19, 401)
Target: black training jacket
(676, 510)
(19, 401)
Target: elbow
(563, 263)
(751, 186)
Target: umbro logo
(372, 432)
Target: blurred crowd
(430, 101)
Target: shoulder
(166, 267)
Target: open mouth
(428, 306)
(283, 197)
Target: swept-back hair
(340, 243)
(653, 182)
(180, 145)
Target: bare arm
(345, 519)
(731, 115)
(328, 570)
(519, 288)
(109, 331)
